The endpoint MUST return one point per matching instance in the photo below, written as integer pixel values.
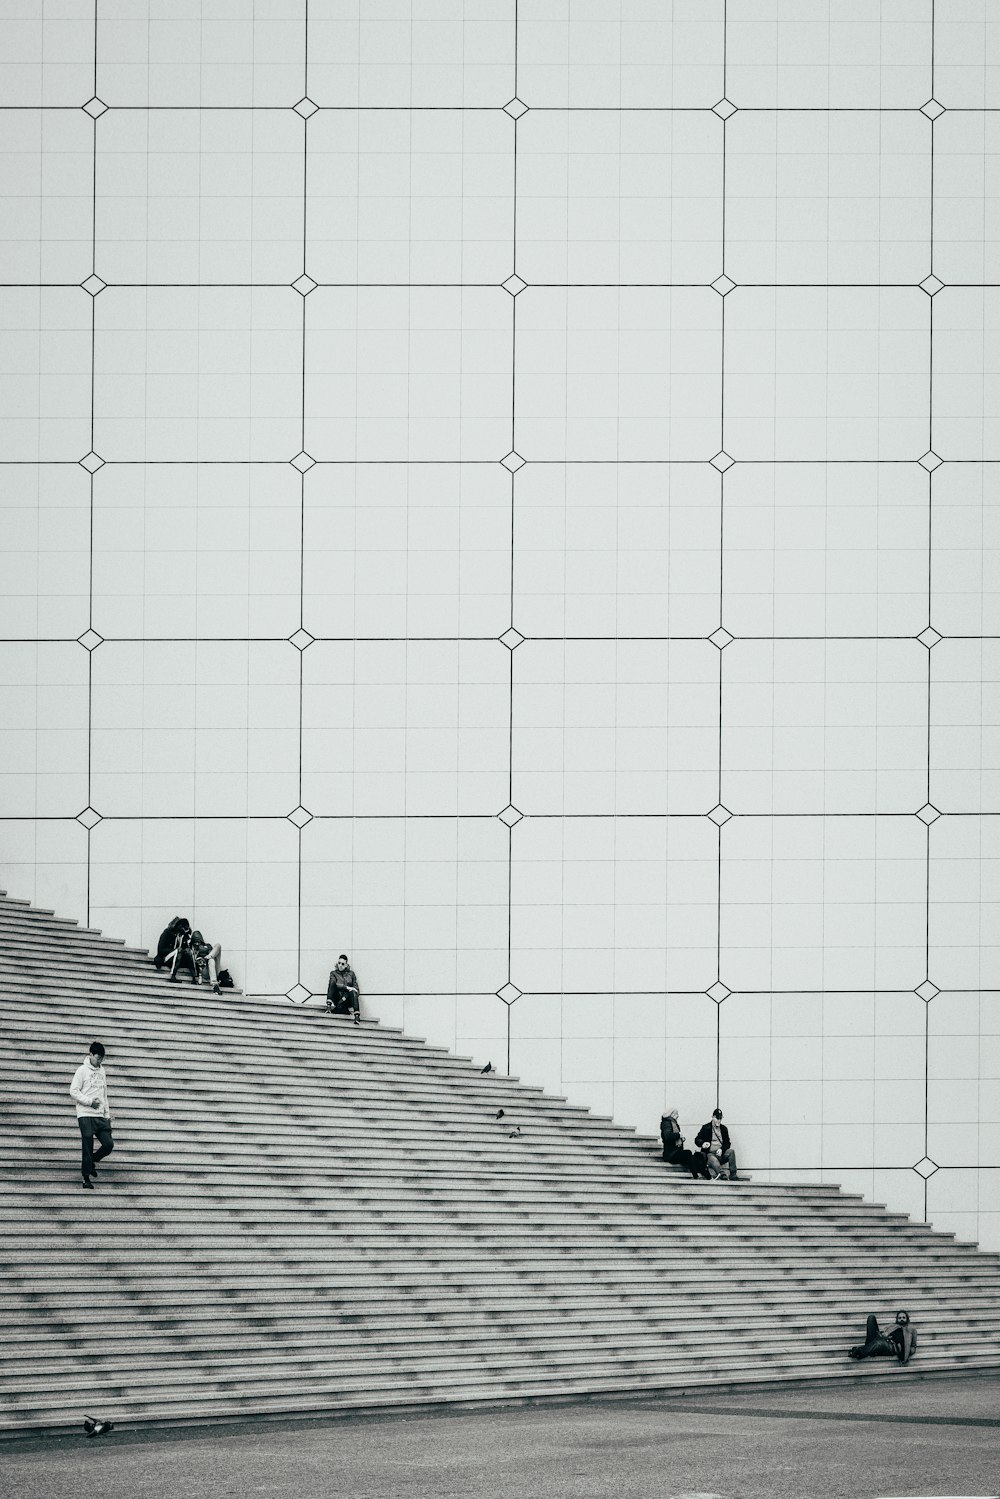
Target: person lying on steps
(900, 1343)
(343, 992)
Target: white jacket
(89, 1090)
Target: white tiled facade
(510, 491)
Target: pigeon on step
(93, 1428)
(515, 1132)
(487, 1068)
(499, 1114)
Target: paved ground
(921, 1439)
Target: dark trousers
(343, 1001)
(877, 1344)
(90, 1126)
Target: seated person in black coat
(713, 1138)
(168, 939)
(673, 1147)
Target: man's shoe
(88, 1183)
(357, 1018)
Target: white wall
(782, 960)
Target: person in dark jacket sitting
(343, 992)
(168, 939)
(673, 1147)
(670, 1134)
(713, 1138)
(900, 1343)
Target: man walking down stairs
(89, 1091)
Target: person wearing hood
(670, 1134)
(674, 1152)
(900, 1342)
(168, 939)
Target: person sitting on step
(182, 958)
(207, 960)
(343, 992)
(900, 1343)
(674, 1152)
(168, 939)
(713, 1138)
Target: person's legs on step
(102, 1129)
(86, 1124)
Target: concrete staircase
(307, 1216)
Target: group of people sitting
(182, 950)
(713, 1158)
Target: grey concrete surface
(922, 1439)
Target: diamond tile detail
(510, 815)
(300, 816)
(91, 462)
(721, 638)
(303, 462)
(306, 108)
(723, 285)
(928, 814)
(90, 640)
(298, 994)
(718, 992)
(929, 637)
(509, 993)
(301, 640)
(304, 285)
(930, 461)
(89, 817)
(932, 109)
(925, 1167)
(94, 107)
(927, 991)
(514, 284)
(722, 461)
(719, 815)
(94, 285)
(724, 109)
(513, 461)
(931, 285)
(511, 638)
(515, 108)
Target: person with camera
(343, 992)
(168, 940)
(182, 959)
